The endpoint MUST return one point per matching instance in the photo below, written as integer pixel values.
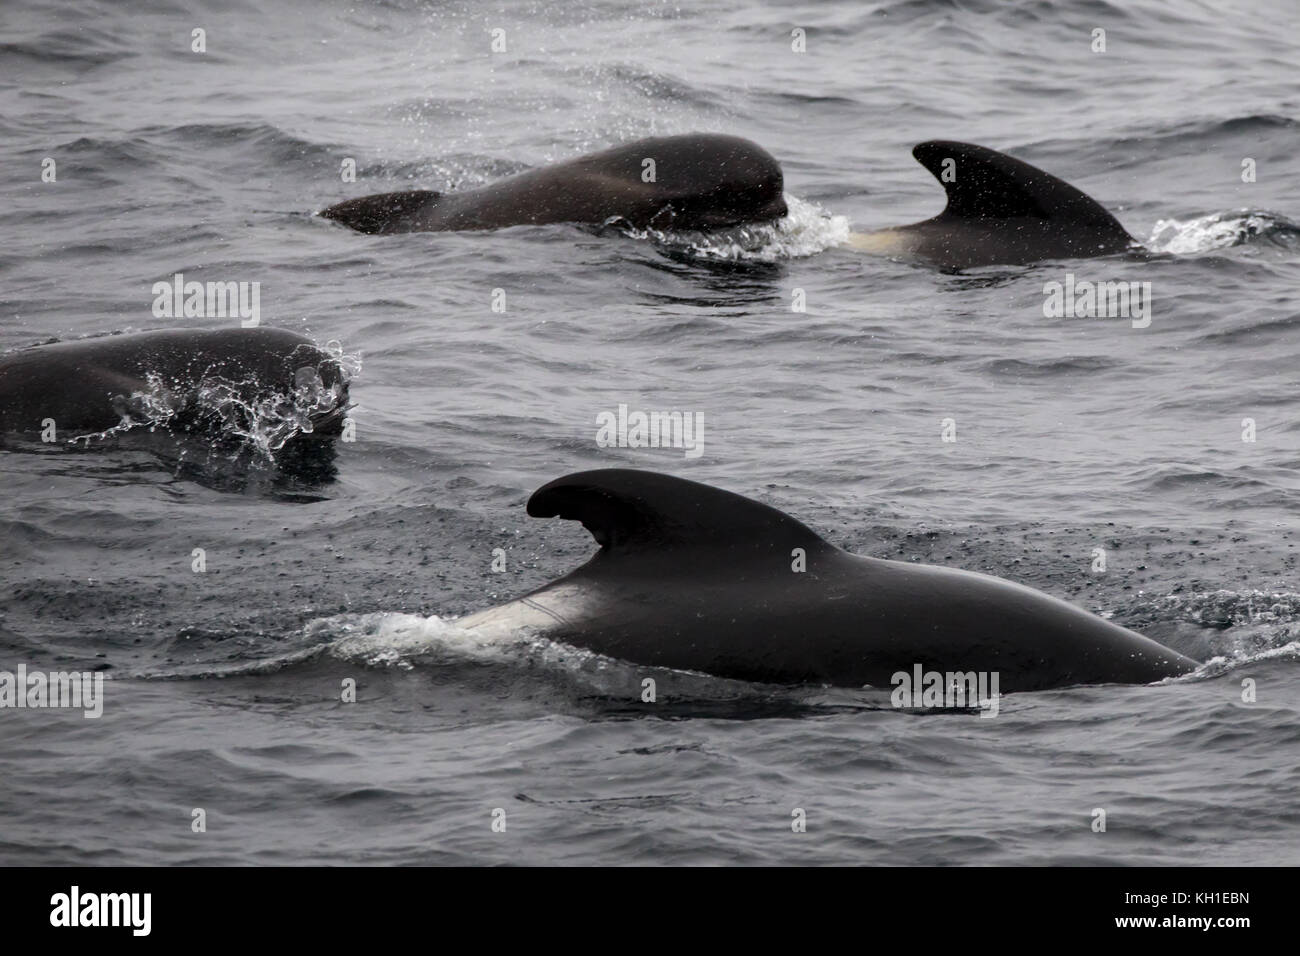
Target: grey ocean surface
(1073, 434)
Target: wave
(1255, 331)
(83, 49)
(1233, 629)
(1225, 608)
(1047, 368)
(1223, 230)
(1202, 131)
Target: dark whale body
(692, 577)
(700, 181)
(89, 385)
(1001, 211)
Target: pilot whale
(95, 384)
(691, 181)
(692, 577)
(1001, 211)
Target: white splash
(264, 422)
(1219, 230)
(399, 640)
(805, 231)
(409, 641)
(1222, 664)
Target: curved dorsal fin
(986, 184)
(629, 510)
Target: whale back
(688, 181)
(696, 578)
(82, 383)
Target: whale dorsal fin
(986, 184)
(628, 510)
(372, 214)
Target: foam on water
(1222, 664)
(410, 642)
(1220, 230)
(404, 640)
(1224, 608)
(805, 231)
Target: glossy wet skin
(81, 384)
(699, 182)
(695, 578)
(1001, 211)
